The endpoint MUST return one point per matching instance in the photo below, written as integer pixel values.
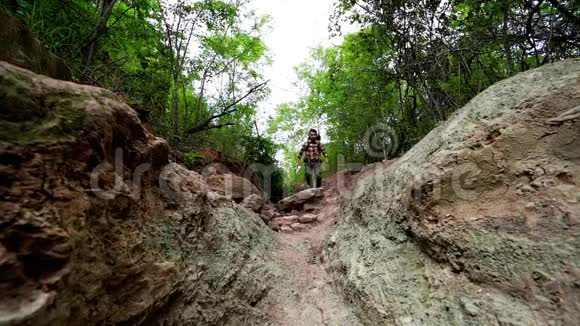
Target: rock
(265, 218)
(267, 209)
(253, 202)
(311, 207)
(21, 48)
(276, 223)
(158, 153)
(300, 187)
(213, 162)
(307, 218)
(298, 227)
(216, 199)
(269, 212)
(530, 206)
(297, 200)
(470, 307)
(236, 187)
(526, 189)
(97, 230)
(456, 207)
(285, 229)
(183, 186)
(287, 219)
(308, 194)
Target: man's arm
(302, 150)
(322, 150)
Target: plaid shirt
(312, 150)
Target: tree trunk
(507, 45)
(92, 46)
(176, 102)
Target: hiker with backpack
(310, 154)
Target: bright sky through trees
(296, 27)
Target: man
(310, 153)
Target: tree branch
(252, 90)
(209, 127)
(564, 11)
(228, 109)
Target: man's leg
(308, 174)
(318, 173)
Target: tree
(215, 53)
(413, 63)
(189, 67)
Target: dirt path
(304, 294)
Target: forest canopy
(413, 63)
(188, 67)
(194, 70)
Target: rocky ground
(479, 224)
(98, 227)
(303, 293)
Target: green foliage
(191, 158)
(415, 62)
(189, 67)
(193, 68)
(261, 151)
(258, 149)
(222, 76)
(130, 60)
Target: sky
(296, 27)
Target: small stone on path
(285, 229)
(307, 218)
(299, 227)
(287, 219)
